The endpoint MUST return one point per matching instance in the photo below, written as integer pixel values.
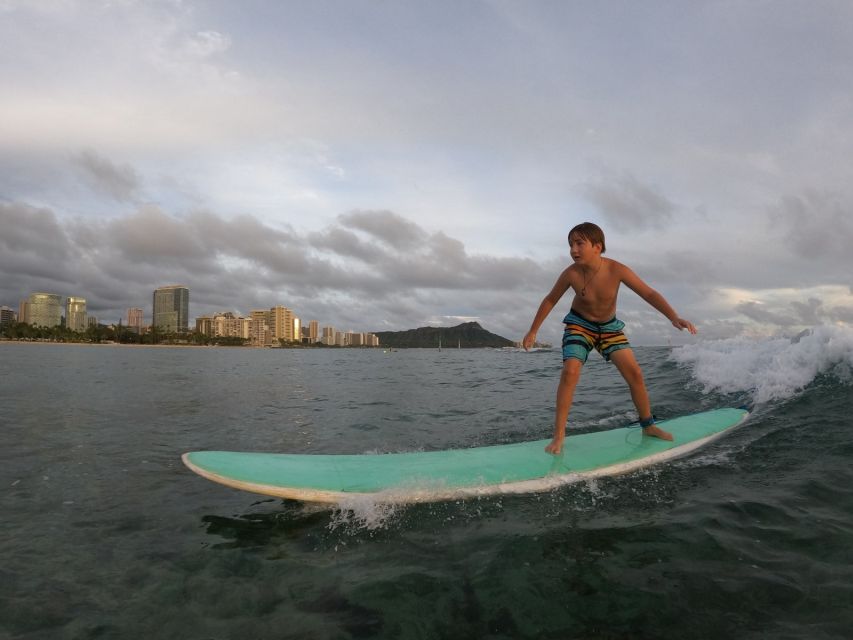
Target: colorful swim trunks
(582, 336)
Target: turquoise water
(107, 535)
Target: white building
(42, 310)
(75, 314)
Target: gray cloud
(343, 275)
(120, 182)
(625, 201)
(344, 242)
(386, 226)
(817, 225)
(32, 230)
(841, 314)
(794, 313)
(760, 313)
(242, 263)
(810, 312)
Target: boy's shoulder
(615, 265)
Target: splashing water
(770, 368)
(368, 512)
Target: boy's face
(582, 250)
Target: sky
(391, 164)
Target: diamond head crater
(468, 335)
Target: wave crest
(770, 368)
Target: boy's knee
(571, 370)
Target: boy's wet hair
(590, 232)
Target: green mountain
(467, 335)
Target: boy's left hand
(681, 323)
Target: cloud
(150, 236)
(625, 201)
(362, 262)
(371, 271)
(790, 310)
(117, 181)
(816, 225)
(206, 43)
(809, 312)
(487, 132)
(842, 314)
(31, 229)
(387, 226)
(760, 313)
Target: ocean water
(105, 534)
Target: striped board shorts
(582, 336)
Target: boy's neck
(593, 266)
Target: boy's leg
(569, 377)
(628, 366)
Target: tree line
(100, 333)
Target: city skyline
(44, 309)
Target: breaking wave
(770, 369)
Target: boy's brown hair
(589, 231)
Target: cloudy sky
(390, 164)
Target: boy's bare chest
(596, 292)
(603, 283)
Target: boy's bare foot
(656, 432)
(555, 447)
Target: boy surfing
(592, 324)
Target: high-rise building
(171, 309)
(7, 316)
(260, 334)
(231, 326)
(225, 325)
(134, 319)
(313, 331)
(284, 325)
(75, 314)
(204, 325)
(43, 310)
(280, 321)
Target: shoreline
(109, 344)
(166, 346)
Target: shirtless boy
(592, 324)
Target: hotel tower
(171, 309)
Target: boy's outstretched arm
(548, 303)
(542, 313)
(656, 300)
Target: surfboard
(432, 476)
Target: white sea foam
(368, 512)
(770, 368)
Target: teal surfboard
(429, 476)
